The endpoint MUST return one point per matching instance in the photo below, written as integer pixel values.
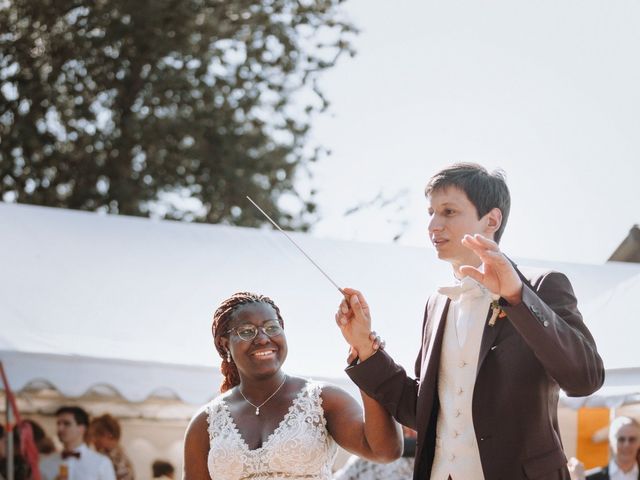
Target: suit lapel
(489, 336)
(433, 337)
(430, 364)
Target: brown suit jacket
(541, 346)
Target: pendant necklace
(257, 407)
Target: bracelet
(377, 339)
(378, 344)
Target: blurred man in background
(624, 441)
(77, 461)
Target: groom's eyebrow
(445, 204)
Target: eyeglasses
(248, 332)
(627, 439)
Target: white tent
(118, 309)
(136, 295)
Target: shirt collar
(466, 287)
(614, 468)
(82, 448)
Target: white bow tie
(467, 287)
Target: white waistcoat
(457, 453)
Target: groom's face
(452, 217)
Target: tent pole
(10, 445)
(10, 413)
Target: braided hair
(221, 319)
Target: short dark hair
(484, 190)
(161, 467)
(79, 414)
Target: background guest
(104, 432)
(21, 467)
(163, 470)
(44, 443)
(624, 441)
(358, 468)
(77, 461)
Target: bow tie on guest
(66, 455)
(467, 287)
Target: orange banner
(591, 420)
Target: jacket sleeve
(550, 323)
(388, 383)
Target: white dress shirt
(615, 473)
(90, 466)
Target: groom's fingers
(486, 249)
(343, 319)
(484, 241)
(479, 244)
(352, 305)
(355, 304)
(344, 307)
(496, 259)
(472, 272)
(359, 308)
(469, 242)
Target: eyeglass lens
(249, 332)
(627, 439)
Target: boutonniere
(496, 311)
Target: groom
(496, 347)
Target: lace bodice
(299, 448)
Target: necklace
(257, 407)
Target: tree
(177, 108)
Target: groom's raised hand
(499, 276)
(354, 320)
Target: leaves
(169, 108)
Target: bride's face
(264, 354)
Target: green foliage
(124, 106)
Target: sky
(546, 90)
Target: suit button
(545, 323)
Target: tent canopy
(90, 302)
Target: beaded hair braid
(221, 318)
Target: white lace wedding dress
(300, 448)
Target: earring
(228, 356)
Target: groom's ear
(494, 220)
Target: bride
(270, 425)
